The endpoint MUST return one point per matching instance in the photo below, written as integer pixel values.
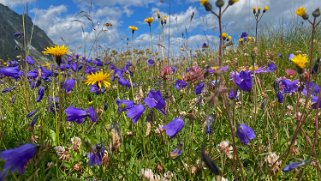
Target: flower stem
(221, 38)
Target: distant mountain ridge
(10, 45)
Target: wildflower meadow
(245, 108)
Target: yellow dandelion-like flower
(229, 38)
(133, 28)
(203, 2)
(224, 35)
(149, 20)
(99, 78)
(301, 11)
(56, 50)
(266, 8)
(300, 60)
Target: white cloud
(76, 31)
(13, 3)
(116, 2)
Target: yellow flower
(149, 20)
(99, 78)
(301, 11)
(300, 60)
(241, 40)
(56, 50)
(133, 28)
(224, 35)
(203, 2)
(266, 8)
(215, 67)
(253, 68)
(250, 38)
(229, 38)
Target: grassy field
(125, 116)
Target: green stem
(221, 38)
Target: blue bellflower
(243, 80)
(6, 90)
(180, 84)
(245, 134)
(79, 115)
(69, 85)
(293, 165)
(174, 127)
(233, 94)
(41, 93)
(31, 113)
(17, 158)
(155, 100)
(13, 72)
(29, 60)
(199, 88)
(271, 67)
(46, 74)
(135, 112)
(33, 74)
(124, 105)
(150, 62)
(96, 156)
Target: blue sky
(58, 19)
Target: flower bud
(305, 17)
(316, 13)
(208, 6)
(254, 10)
(219, 3)
(231, 2)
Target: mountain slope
(10, 46)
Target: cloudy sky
(79, 23)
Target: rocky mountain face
(12, 37)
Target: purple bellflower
(17, 158)
(199, 88)
(245, 134)
(174, 127)
(155, 100)
(69, 85)
(79, 115)
(180, 84)
(135, 112)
